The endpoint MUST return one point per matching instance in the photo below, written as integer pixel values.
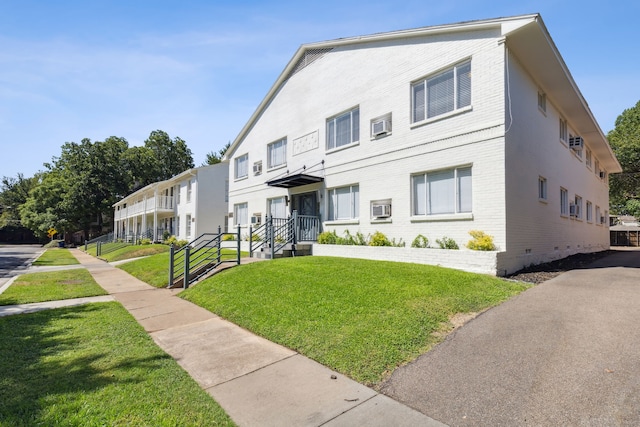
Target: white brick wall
(472, 261)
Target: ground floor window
(277, 207)
(241, 214)
(188, 220)
(564, 202)
(442, 192)
(343, 202)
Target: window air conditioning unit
(257, 168)
(256, 219)
(601, 220)
(573, 210)
(603, 174)
(576, 143)
(381, 211)
(380, 127)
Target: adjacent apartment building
(187, 205)
(434, 131)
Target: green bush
(145, 241)
(228, 237)
(358, 240)
(379, 239)
(173, 240)
(481, 241)
(447, 243)
(398, 244)
(165, 235)
(328, 238)
(420, 242)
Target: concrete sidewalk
(257, 382)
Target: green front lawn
(362, 318)
(56, 256)
(134, 251)
(51, 286)
(94, 365)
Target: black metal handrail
(205, 253)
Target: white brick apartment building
(187, 205)
(434, 131)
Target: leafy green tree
(170, 156)
(624, 188)
(13, 194)
(214, 158)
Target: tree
(13, 194)
(214, 158)
(624, 188)
(170, 157)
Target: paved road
(14, 258)
(566, 352)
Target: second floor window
(447, 91)
(242, 166)
(277, 153)
(343, 129)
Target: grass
(154, 270)
(135, 251)
(362, 318)
(51, 286)
(93, 365)
(56, 256)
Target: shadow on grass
(47, 369)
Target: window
(277, 207)
(588, 159)
(542, 188)
(178, 194)
(578, 207)
(442, 192)
(542, 104)
(447, 91)
(564, 202)
(563, 128)
(242, 166)
(598, 215)
(241, 214)
(178, 226)
(589, 211)
(343, 202)
(343, 129)
(188, 220)
(188, 191)
(277, 153)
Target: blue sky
(198, 69)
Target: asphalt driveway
(566, 352)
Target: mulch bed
(543, 272)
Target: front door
(308, 223)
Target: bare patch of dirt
(541, 273)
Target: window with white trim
(188, 192)
(542, 188)
(589, 211)
(242, 166)
(598, 215)
(564, 202)
(178, 225)
(588, 159)
(343, 129)
(188, 220)
(542, 102)
(563, 129)
(442, 192)
(344, 203)
(241, 214)
(277, 153)
(277, 207)
(578, 206)
(442, 93)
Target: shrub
(398, 244)
(447, 243)
(481, 241)
(165, 235)
(379, 239)
(328, 238)
(173, 240)
(145, 241)
(181, 243)
(420, 242)
(358, 240)
(228, 237)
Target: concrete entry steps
(257, 382)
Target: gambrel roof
(525, 36)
